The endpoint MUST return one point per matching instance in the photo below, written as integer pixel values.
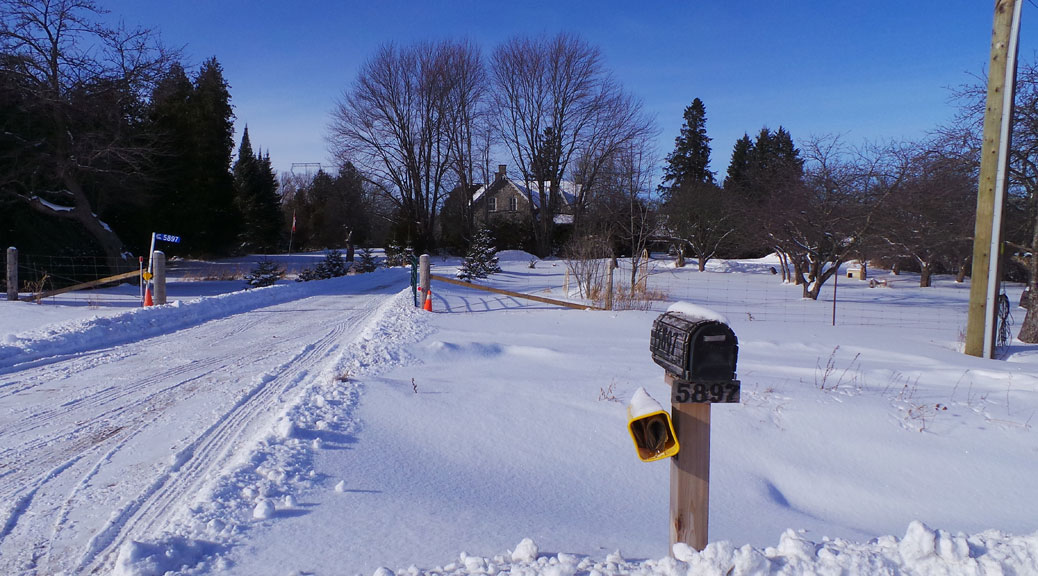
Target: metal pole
(151, 250)
(836, 280)
(991, 190)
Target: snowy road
(108, 445)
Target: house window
(492, 204)
(513, 203)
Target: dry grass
(624, 298)
(215, 273)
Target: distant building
(508, 200)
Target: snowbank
(922, 551)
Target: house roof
(568, 190)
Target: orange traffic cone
(147, 296)
(428, 300)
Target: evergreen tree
(266, 273)
(211, 223)
(739, 166)
(367, 260)
(257, 199)
(332, 211)
(481, 260)
(192, 183)
(173, 122)
(332, 266)
(765, 166)
(690, 160)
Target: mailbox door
(715, 352)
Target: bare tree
(625, 210)
(469, 120)
(397, 124)
(82, 86)
(819, 223)
(561, 115)
(700, 218)
(929, 217)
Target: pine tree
(764, 165)
(192, 185)
(690, 160)
(367, 260)
(738, 166)
(257, 199)
(212, 215)
(481, 260)
(266, 273)
(171, 118)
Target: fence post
(690, 475)
(423, 273)
(609, 286)
(159, 259)
(12, 274)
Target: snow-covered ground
(332, 428)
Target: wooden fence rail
(83, 286)
(572, 305)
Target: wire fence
(752, 292)
(38, 272)
(739, 290)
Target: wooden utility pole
(994, 161)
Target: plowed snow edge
(279, 463)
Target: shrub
(332, 266)
(265, 273)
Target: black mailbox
(694, 349)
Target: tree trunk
(784, 264)
(960, 277)
(925, 275)
(1029, 329)
(681, 257)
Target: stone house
(506, 199)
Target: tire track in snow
(46, 450)
(68, 441)
(211, 451)
(66, 465)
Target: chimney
(502, 170)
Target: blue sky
(868, 69)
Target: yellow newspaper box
(650, 428)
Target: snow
(330, 427)
(690, 309)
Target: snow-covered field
(332, 428)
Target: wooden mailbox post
(699, 356)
